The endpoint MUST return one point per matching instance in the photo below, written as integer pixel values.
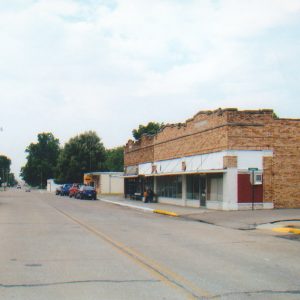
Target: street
(54, 247)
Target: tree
(114, 159)
(82, 154)
(151, 128)
(11, 179)
(41, 160)
(5, 163)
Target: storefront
(219, 180)
(136, 185)
(208, 161)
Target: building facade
(105, 183)
(223, 159)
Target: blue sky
(73, 65)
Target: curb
(164, 212)
(287, 230)
(128, 205)
(147, 209)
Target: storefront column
(184, 203)
(230, 188)
(154, 185)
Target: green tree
(5, 163)
(11, 179)
(114, 159)
(81, 154)
(150, 129)
(41, 160)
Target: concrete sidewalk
(243, 220)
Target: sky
(68, 66)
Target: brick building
(222, 159)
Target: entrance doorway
(196, 188)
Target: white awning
(188, 173)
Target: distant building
(209, 160)
(105, 182)
(51, 186)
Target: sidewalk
(243, 220)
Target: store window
(169, 186)
(215, 187)
(193, 187)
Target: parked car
(74, 190)
(86, 192)
(65, 189)
(18, 186)
(58, 190)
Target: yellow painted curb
(287, 230)
(164, 212)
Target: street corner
(288, 229)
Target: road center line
(164, 274)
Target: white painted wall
(51, 186)
(230, 189)
(111, 184)
(145, 169)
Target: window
(193, 187)
(215, 187)
(169, 186)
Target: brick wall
(268, 179)
(139, 152)
(230, 162)
(212, 131)
(206, 132)
(286, 163)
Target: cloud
(69, 65)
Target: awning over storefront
(187, 173)
(130, 176)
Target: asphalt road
(54, 247)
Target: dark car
(65, 189)
(86, 192)
(74, 190)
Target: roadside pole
(252, 170)
(252, 189)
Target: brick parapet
(230, 129)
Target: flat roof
(104, 173)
